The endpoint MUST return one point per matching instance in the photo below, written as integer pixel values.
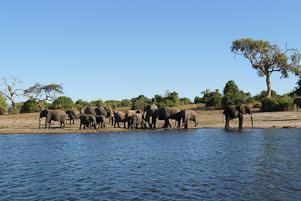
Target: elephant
(110, 113)
(151, 111)
(101, 121)
(88, 120)
(297, 102)
(237, 111)
(167, 113)
(53, 115)
(73, 115)
(103, 110)
(138, 120)
(119, 117)
(189, 115)
(128, 117)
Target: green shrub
(126, 103)
(29, 106)
(281, 103)
(268, 104)
(62, 102)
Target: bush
(282, 103)
(197, 99)
(126, 103)
(113, 103)
(97, 103)
(29, 106)
(62, 102)
(185, 101)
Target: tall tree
(267, 58)
(11, 90)
(41, 93)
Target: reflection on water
(204, 164)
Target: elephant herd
(95, 117)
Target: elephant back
(101, 111)
(90, 110)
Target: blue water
(204, 164)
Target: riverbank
(28, 123)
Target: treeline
(231, 95)
(266, 58)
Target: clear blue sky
(117, 49)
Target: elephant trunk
(252, 120)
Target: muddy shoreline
(28, 123)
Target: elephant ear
(242, 108)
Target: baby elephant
(188, 115)
(138, 120)
(100, 121)
(87, 120)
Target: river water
(201, 164)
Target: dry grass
(28, 123)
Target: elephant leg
(154, 123)
(241, 119)
(227, 125)
(179, 123)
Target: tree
(11, 90)
(212, 98)
(140, 102)
(267, 58)
(63, 102)
(42, 93)
(232, 94)
(29, 106)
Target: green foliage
(170, 99)
(3, 103)
(113, 103)
(40, 92)
(63, 102)
(281, 103)
(80, 104)
(184, 101)
(126, 103)
(263, 94)
(212, 98)
(97, 103)
(197, 100)
(267, 58)
(140, 102)
(29, 106)
(234, 96)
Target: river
(193, 164)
